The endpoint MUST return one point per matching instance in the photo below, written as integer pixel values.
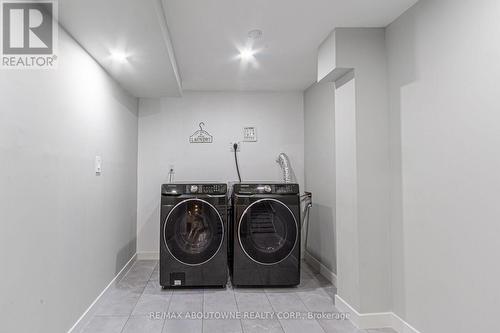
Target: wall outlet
(249, 134)
(231, 146)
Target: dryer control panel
(266, 188)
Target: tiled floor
(127, 306)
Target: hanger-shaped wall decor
(201, 136)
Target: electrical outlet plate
(231, 146)
(249, 134)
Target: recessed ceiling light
(119, 56)
(255, 34)
(246, 54)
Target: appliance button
(194, 188)
(267, 188)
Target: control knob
(267, 188)
(194, 188)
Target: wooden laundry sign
(201, 136)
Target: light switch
(249, 134)
(98, 165)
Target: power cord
(235, 148)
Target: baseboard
(85, 317)
(148, 256)
(320, 268)
(401, 326)
(366, 321)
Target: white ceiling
(205, 35)
(196, 41)
(136, 27)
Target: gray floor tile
(330, 290)
(186, 303)
(124, 288)
(300, 326)
(313, 284)
(308, 269)
(138, 273)
(182, 326)
(141, 269)
(155, 276)
(306, 275)
(322, 280)
(248, 290)
(144, 265)
(139, 294)
(137, 276)
(382, 330)
(281, 290)
(255, 301)
(309, 284)
(282, 302)
(317, 300)
(192, 291)
(219, 300)
(151, 303)
(153, 287)
(222, 326)
(132, 283)
(105, 324)
(261, 326)
(143, 324)
(339, 326)
(117, 302)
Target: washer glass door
(193, 232)
(267, 231)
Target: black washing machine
(265, 230)
(193, 242)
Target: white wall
(65, 231)
(319, 143)
(444, 69)
(164, 129)
(347, 192)
(363, 143)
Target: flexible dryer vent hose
(286, 167)
(305, 199)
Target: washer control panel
(278, 188)
(207, 189)
(176, 189)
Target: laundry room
(166, 125)
(254, 166)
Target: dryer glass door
(193, 232)
(267, 231)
